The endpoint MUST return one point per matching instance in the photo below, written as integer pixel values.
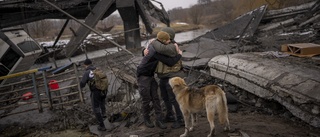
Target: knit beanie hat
(87, 62)
(170, 31)
(163, 36)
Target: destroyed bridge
(267, 75)
(17, 12)
(19, 51)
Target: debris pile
(290, 81)
(262, 22)
(257, 31)
(299, 19)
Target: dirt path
(244, 122)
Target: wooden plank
(301, 49)
(74, 85)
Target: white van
(18, 52)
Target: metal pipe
(88, 27)
(16, 83)
(63, 73)
(59, 89)
(67, 79)
(72, 101)
(64, 95)
(36, 92)
(11, 99)
(17, 90)
(60, 33)
(18, 74)
(47, 89)
(23, 73)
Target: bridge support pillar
(130, 17)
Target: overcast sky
(170, 4)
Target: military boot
(148, 123)
(160, 124)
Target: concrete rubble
(238, 56)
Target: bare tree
(107, 24)
(179, 14)
(204, 1)
(196, 13)
(225, 9)
(39, 28)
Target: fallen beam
(310, 20)
(272, 14)
(91, 20)
(276, 25)
(243, 26)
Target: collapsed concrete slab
(197, 55)
(197, 63)
(243, 26)
(207, 48)
(294, 86)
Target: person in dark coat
(97, 96)
(147, 84)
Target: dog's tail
(222, 106)
(214, 91)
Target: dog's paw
(226, 129)
(212, 134)
(191, 129)
(183, 135)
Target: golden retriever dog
(191, 101)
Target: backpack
(99, 80)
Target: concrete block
(291, 85)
